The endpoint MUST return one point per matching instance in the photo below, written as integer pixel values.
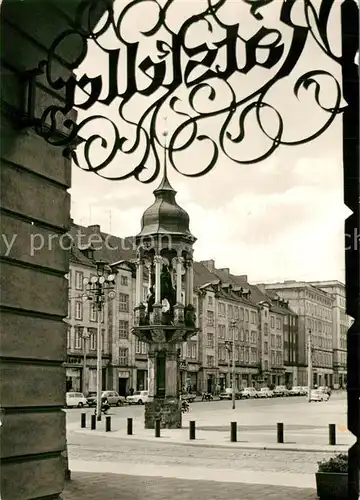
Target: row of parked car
(78, 400)
(264, 392)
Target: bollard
(108, 424)
(233, 432)
(192, 429)
(157, 428)
(332, 434)
(93, 422)
(83, 420)
(280, 432)
(129, 426)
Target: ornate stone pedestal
(167, 409)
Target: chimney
(242, 277)
(209, 264)
(226, 271)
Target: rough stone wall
(35, 178)
(168, 410)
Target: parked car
(75, 399)
(112, 397)
(281, 390)
(304, 391)
(318, 396)
(249, 392)
(227, 394)
(295, 391)
(265, 392)
(138, 398)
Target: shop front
(73, 379)
(123, 386)
(142, 380)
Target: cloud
(271, 221)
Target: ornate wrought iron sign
(198, 74)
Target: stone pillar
(172, 375)
(151, 374)
(139, 280)
(189, 286)
(191, 282)
(158, 262)
(179, 262)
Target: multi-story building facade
(82, 323)
(267, 325)
(341, 322)
(314, 309)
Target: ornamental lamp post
(99, 288)
(230, 345)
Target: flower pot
(332, 485)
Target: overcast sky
(279, 219)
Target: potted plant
(332, 478)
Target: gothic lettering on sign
(170, 70)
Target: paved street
(85, 486)
(140, 456)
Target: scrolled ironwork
(177, 88)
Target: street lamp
(309, 366)
(85, 335)
(230, 346)
(99, 288)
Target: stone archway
(35, 208)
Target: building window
(78, 310)
(210, 361)
(247, 336)
(266, 365)
(79, 280)
(221, 309)
(272, 358)
(210, 318)
(253, 317)
(246, 355)
(272, 324)
(123, 356)
(266, 328)
(278, 324)
(236, 332)
(241, 314)
(286, 320)
(93, 340)
(69, 309)
(221, 329)
(210, 340)
(68, 341)
(124, 280)
(246, 316)
(221, 353)
(241, 354)
(144, 348)
(188, 350)
(210, 299)
(241, 334)
(236, 312)
(266, 348)
(193, 351)
(93, 312)
(123, 329)
(272, 341)
(230, 311)
(123, 302)
(137, 347)
(78, 339)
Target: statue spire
(165, 184)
